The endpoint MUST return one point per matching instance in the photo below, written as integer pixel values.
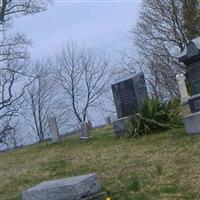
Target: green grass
(160, 166)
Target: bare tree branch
(83, 76)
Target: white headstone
(182, 88)
(85, 131)
(53, 129)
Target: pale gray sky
(103, 25)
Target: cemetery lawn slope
(160, 166)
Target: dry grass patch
(159, 166)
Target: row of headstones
(85, 129)
(130, 94)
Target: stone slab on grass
(73, 188)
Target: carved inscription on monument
(129, 95)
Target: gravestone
(191, 58)
(128, 95)
(85, 131)
(73, 188)
(182, 88)
(108, 121)
(53, 129)
(89, 124)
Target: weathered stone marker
(108, 121)
(85, 131)
(191, 58)
(53, 129)
(129, 95)
(74, 188)
(182, 88)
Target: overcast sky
(103, 25)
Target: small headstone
(129, 95)
(53, 129)
(121, 126)
(90, 126)
(108, 121)
(191, 58)
(85, 132)
(182, 88)
(73, 188)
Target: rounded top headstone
(191, 51)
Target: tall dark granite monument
(191, 58)
(128, 95)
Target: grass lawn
(159, 166)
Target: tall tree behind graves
(159, 36)
(13, 57)
(39, 99)
(191, 15)
(83, 76)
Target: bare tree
(14, 8)
(13, 69)
(191, 15)
(40, 100)
(11, 136)
(83, 76)
(12, 88)
(13, 76)
(160, 35)
(13, 55)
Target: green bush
(155, 116)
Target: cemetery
(100, 124)
(102, 163)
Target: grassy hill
(160, 166)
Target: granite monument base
(192, 123)
(53, 141)
(121, 126)
(73, 188)
(85, 138)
